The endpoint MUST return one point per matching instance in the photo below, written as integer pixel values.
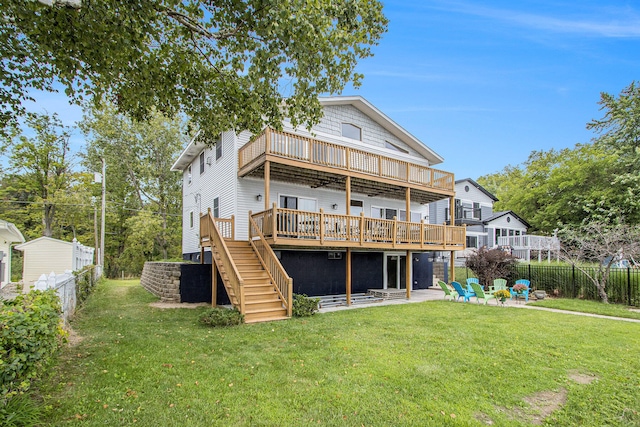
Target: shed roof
(41, 239)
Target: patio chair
(448, 293)
(480, 293)
(498, 284)
(524, 293)
(464, 293)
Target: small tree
(602, 244)
(490, 264)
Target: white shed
(45, 255)
(9, 234)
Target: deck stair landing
(388, 293)
(340, 300)
(262, 302)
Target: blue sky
(484, 84)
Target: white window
(395, 147)
(351, 131)
(201, 163)
(415, 216)
(219, 149)
(216, 207)
(383, 213)
(189, 175)
(357, 207)
(191, 219)
(299, 203)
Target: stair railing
(221, 256)
(271, 264)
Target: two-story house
(473, 208)
(337, 209)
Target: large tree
(139, 183)
(40, 161)
(227, 65)
(619, 134)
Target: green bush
(30, 332)
(85, 282)
(304, 306)
(219, 316)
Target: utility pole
(104, 192)
(95, 227)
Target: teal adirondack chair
(524, 293)
(480, 293)
(448, 293)
(464, 293)
(471, 280)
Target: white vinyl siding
(44, 256)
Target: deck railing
(270, 262)
(278, 223)
(210, 235)
(310, 150)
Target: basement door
(395, 270)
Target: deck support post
(407, 198)
(267, 182)
(408, 274)
(348, 195)
(452, 267)
(214, 282)
(348, 281)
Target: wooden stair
(261, 300)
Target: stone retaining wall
(162, 279)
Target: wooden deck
(321, 164)
(288, 227)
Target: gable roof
(497, 215)
(387, 123)
(194, 148)
(40, 239)
(9, 232)
(478, 186)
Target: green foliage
(227, 65)
(143, 194)
(304, 306)
(490, 264)
(221, 317)
(30, 332)
(590, 182)
(19, 411)
(85, 282)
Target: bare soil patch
(581, 378)
(74, 338)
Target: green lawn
(594, 307)
(425, 364)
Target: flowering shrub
(519, 288)
(502, 293)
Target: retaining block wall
(162, 279)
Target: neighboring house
(339, 209)
(474, 209)
(45, 255)
(9, 234)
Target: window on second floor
(219, 149)
(351, 131)
(395, 147)
(190, 219)
(189, 175)
(201, 163)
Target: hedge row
(30, 332)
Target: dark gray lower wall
(324, 273)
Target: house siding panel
(44, 257)
(372, 133)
